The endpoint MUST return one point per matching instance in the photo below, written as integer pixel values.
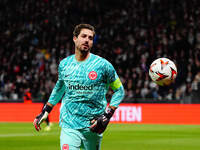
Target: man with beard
(83, 81)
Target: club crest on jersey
(65, 147)
(92, 75)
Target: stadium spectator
(27, 96)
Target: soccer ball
(163, 71)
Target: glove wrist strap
(47, 108)
(109, 113)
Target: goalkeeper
(83, 81)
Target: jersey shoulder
(66, 61)
(100, 59)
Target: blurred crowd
(36, 35)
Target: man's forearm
(51, 105)
(113, 107)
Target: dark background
(36, 35)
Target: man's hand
(41, 117)
(100, 123)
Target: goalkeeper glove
(100, 123)
(41, 117)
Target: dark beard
(83, 51)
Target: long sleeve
(118, 94)
(59, 89)
(116, 85)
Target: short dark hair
(79, 27)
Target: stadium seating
(36, 35)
